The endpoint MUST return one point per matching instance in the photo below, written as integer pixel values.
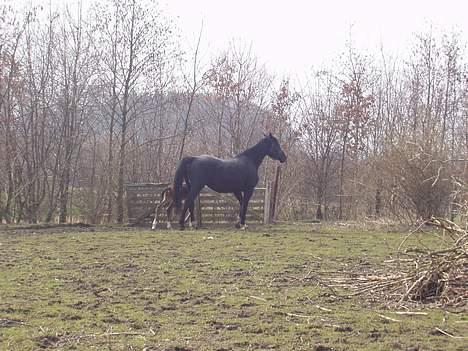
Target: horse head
(274, 149)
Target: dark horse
(238, 175)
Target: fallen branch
(388, 318)
(410, 313)
(450, 335)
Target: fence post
(274, 193)
(267, 205)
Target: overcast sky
(290, 36)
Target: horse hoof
(238, 225)
(244, 227)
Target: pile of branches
(439, 275)
(419, 274)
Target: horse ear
(271, 136)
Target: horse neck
(256, 153)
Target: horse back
(224, 176)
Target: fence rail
(214, 207)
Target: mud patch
(7, 322)
(47, 341)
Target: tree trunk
(342, 162)
(120, 187)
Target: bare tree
(134, 33)
(193, 86)
(319, 132)
(75, 75)
(282, 122)
(354, 119)
(12, 26)
(239, 87)
(37, 131)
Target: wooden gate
(214, 207)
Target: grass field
(219, 289)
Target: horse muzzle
(282, 157)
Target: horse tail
(181, 175)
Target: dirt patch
(6, 322)
(323, 348)
(47, 341)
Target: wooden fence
(214, 207)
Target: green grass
(213, 289)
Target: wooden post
(266, 205)
(274, 194)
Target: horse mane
(256, 152)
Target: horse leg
(169, 214)
(247, 195)
(166, 198)
(191, 217)
(155, 220)
(156, 215)
(239, 197)
(189, 203)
